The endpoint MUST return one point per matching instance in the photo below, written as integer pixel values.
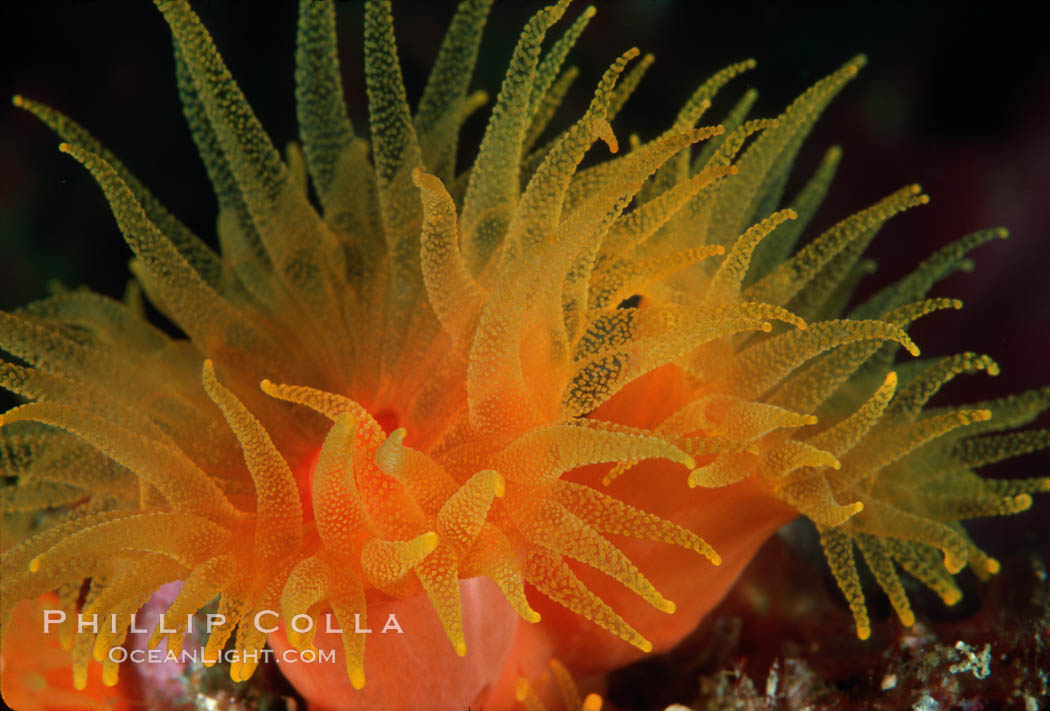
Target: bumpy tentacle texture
(435, 344)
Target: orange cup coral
(476, 399)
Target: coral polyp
(535, 392)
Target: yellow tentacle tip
(863, 631)
(907, 618)
(603, 130)
(532, 616)
(247, 669)
(1002, 233)
(34, 565)
(110, 675)
(645, 645)
(461, 648)
(521, 690)
(99, 650)
(357, 679)
(953, 564)
(17, 100)
(590, 11)
(668, 606)
(593, 702)
(80, 677)
(64, 147)
(390, 454)
(426, 181)
(499, 485)
(992, 566)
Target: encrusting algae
(477, 397)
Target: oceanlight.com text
(229, 656)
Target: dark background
(955, 97)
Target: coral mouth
(388, 419)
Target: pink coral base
(417, 669)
